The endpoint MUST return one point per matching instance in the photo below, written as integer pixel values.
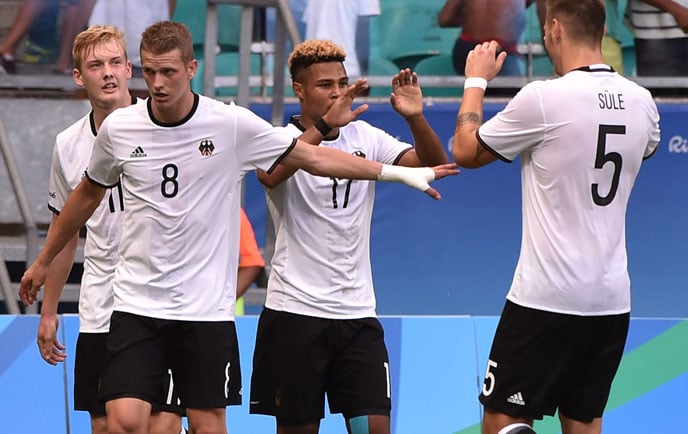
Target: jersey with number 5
(581, 139)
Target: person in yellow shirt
(251, 262)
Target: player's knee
(517, 428)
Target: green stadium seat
(407, 32)
(227, 64)
(381, 67)
(440, 65)
(192, 13)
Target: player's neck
(580, 57)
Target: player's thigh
(88, 367)
(290, 360)
(135, 363)
(600, 345)
(359, 376)
(204, 358)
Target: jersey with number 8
(588, 132)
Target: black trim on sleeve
(486, 146)
(53, 210)
(401, 154)
(281, 157)
(99, 184)
(654, 151)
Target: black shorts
(202, 355)
(543, 361)
(299, 358)
(88, 367)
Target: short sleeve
(519, 126)
(59, 186)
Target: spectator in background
(74, 17)
(661, 41)
(499, 20)
(132, 16)
(350, 14)
(251, 262)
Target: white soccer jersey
(71, 155)
(581, 139)
(181, 182)
(321, 263)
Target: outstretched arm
(337, 116)
(323, 161)
(481, 66)
(407, 100)
(78, 208)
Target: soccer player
(319, 317)
(581, 139)
(181, 157)
(101, 67)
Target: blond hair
(93, 36)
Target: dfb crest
(206, 147)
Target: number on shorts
(170, 390)
(389, 387)
(227, 380)
(489, 383)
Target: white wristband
(416, 177)
(475, 82)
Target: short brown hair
(96, 35)
(165, 36)
(314, 51)
(583, 19)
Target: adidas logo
(138, 153)
(516, 398)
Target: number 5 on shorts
(489, 383)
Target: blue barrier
(437, 366)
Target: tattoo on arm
(468, 118)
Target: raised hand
(483, 61)
(341, 113)
(407, 97)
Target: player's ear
(191, 68)
(298, 89)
